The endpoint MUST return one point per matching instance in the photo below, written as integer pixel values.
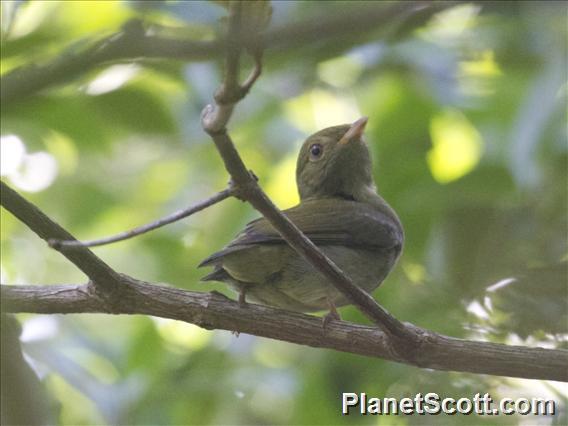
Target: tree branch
(215, 311)
(174, 217)
(133, 42)
(97, 270)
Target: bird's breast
(306, 289)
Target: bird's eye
(316, 150)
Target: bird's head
(335, 162)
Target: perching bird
(339, 210)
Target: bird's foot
(332, 315)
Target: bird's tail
(218, 274)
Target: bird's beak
(355, 131)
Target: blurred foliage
(468, 133)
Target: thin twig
(254, 74)
(174, 217)
(233, 47)
(215, 117)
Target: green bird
(339, 210)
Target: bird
(340, 211)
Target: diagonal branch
(215, 311)
(96, 269)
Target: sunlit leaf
(457, 147)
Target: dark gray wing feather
(333, 222)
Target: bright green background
(467, 126)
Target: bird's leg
(242, 302)
(332, 315)
(243, 295)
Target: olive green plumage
(340, 211)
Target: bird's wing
(325, 222)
